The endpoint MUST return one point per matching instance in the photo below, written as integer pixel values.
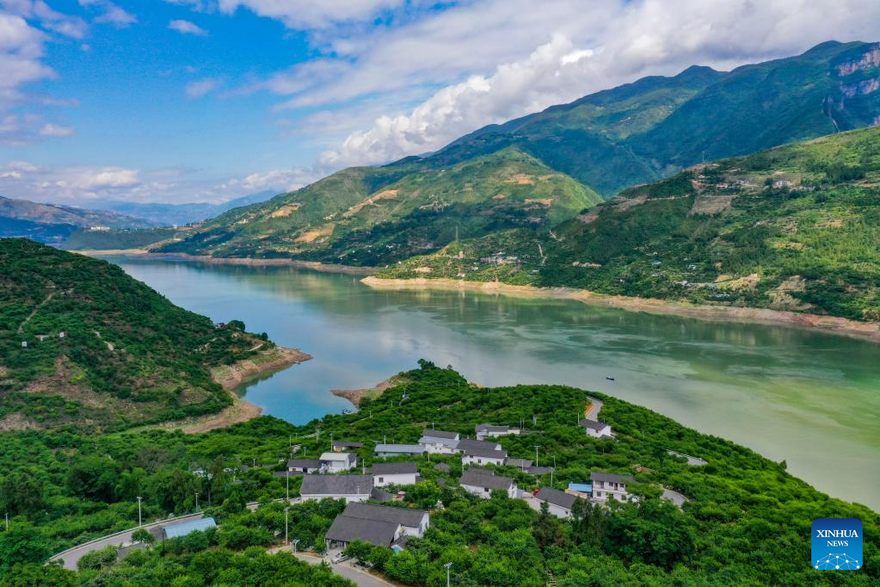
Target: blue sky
(206, 100)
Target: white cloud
(199, 88)
(308, 13)
(110, 13)
(611, 43)
(187, 28)
(63, 24)
(56, 130)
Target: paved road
(592, 413)
(675, 497)
(72, 556)
(360, 578)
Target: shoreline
(355, 396)
(231, 377)
(830, 324)
(313, 265)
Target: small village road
(347, 570)
(592, 413)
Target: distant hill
(53, 223)
(794, 228)
(370, 216)
(180, 214)
(127, 355)
(597, 145)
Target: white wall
(395, 479)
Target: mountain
(180, 214)
(599, 144)
(102, 350)
(369, 216)
(792, 228)
(53, 223)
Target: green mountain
(599, 144)
(740, 507)
(795, 228)
(102, 349)
(53, 223)
(371, 216)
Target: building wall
(469, 460)
(599, 433)
(558, 510)
(396, 479)
(347, 498)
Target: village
(375, 511)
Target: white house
(479, 456)
(610, 486)
(488, 431)
(347, 487)
(482, 483)
(596, 429)
(342, 446)
(385, 474)
(377, 525)
(559, 503)
(439, 441)
(337, 462)
(397, 450)
(304, 465)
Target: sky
(208, 100)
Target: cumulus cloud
(110, 13)
(51, 20)
(56, 130)
(187, 28)
(199, 88)
(611, 43)
(308, 13)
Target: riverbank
(313, 265)
(356, 396)
(232, 377)
(843, 326)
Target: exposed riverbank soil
(864, 330)
(356, 396)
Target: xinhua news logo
(837, 544)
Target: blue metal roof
(185, 528)
(581, 487)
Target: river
(810, 398)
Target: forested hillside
(792, 228)
(85, 346)
(530, 172)
(746, 521)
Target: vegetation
(747, 521)
(372, 217)
(91, 240)
(539, 170)
(103, 350)
(793, 228)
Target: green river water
(810, 398)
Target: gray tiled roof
(304, 463)
(379, 494)
(470, 443)
(409, 517)
(400, 448)
(592, 425)
(451, 443)
(336, 484)
(485, 453)
(556, 497)
(393, 468)
(492, 428)
(442, 467)
(539, 470)
(342, 444)
(440, 434)
(348, 529)
(483, 478)
(519, 463)
(611, 477)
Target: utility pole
(287, 476)
(140, 523)
(448, 566)
(197, 501)
(286, 519)
(536, 455)
(553, 470)
(295, 542)
(7, 521)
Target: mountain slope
(794, 228)
(127, 354)
(372, 216)
(179, 214)
(52, 223)
(606, 142)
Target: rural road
(345, 569)
(592, 413)
(71, 556)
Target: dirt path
(355, 396)
(34, 313)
